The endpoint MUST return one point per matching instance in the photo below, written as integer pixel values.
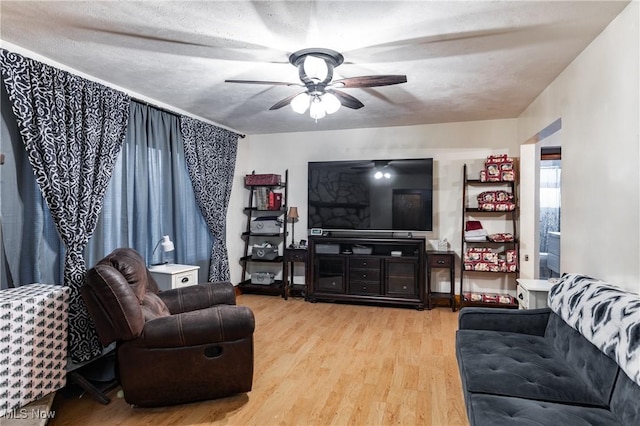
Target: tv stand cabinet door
(401, 278)
(330, 273)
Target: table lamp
(292, 216)
(166, 245)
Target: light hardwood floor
(322, 364)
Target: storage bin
(262, 180)
(328, 248)
(498, 168)
(265, 225)
(264, 252)
(362, 249)
(262, 278)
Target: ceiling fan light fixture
(300, 103)
(315, 68)
(331, 103)
(316, 72)
(316, 110)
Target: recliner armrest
(530, 321)
(221, 323)
(191, 298)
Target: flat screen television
(371, 195)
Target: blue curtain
(150, 195)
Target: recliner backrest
(121, 295)
(133, 268)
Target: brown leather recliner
(182, 345)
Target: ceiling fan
(321, 97)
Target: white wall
(451, 146)
(597, 97)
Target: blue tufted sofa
(575, 363)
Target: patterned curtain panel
(211, 159)
(72, 129)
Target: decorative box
(498, 168)
(358, 249)
(480, 259)
(500, 299)
(328, 248)
(265, 225)
(33, 321)
(500, 237)
(511, 260)
(265, 251)
(495, 197)
(496, 207)
(480, 254)
(262, 278)
(266, 199)
(262, 180)
(275, 201)
(496, 201)
(472, 297)
(484, 259)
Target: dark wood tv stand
(343, 270)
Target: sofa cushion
(624, 401)
(606, 315)
(519, 365)
(582, 356)
(507, 411)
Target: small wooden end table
(291, 256)
(445, 260)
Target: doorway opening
(550, 210)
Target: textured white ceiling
(464, 60)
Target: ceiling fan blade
(370, 81)
(346, 99)
(286, 101)
(271, 83)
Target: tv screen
(375, 195)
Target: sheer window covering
(150, 195)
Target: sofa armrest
(192, 298)
(530, 321)
(223, 323)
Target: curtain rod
(140, 101)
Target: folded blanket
(606, 315)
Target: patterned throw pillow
(606, 315)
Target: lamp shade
(315, 68)
(331, 103)
(293, 213)
(166, 244)
(300, 103)
(316, 110)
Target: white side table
(533, 294)
(170, 276)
